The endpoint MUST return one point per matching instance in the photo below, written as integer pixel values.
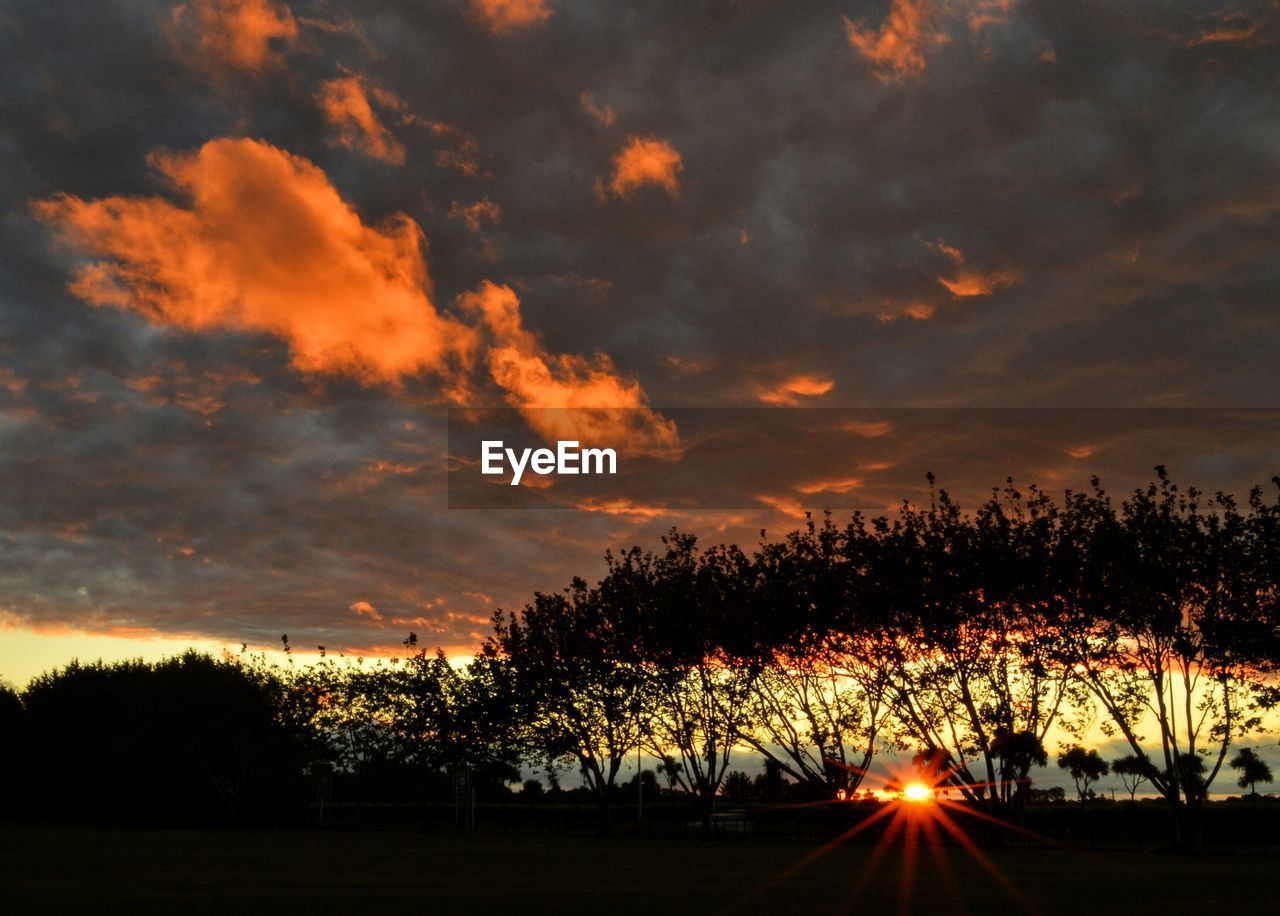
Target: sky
(253, 253)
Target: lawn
(136, 870)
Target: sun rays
(912, 816)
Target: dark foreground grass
(96, 870)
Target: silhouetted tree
(1134, 770)
(188, 738)
(579, 684)
(697, 680)
(970, 637)
(1174, 619)
(1085, 767)
(816, 704)
(1253, 770)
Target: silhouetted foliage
(1134, 770)
(1253, 770)
(961, 638)
(188, 739)
(1085, 767)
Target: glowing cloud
(989, 12)
(229, 35)
(790, 391)
(365, 609)
(916, 311)
(503, 16)
(897, 47)
(966, 281)
(1233, 27)
(263, 242)
(346, 105)
(839, 485)
(603, 407)
(645, 161)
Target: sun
(917, 792)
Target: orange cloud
(968, 281)
(1234, 28)
(503, 16)
(228, 35)
(601, 407)
(784, 505)
(789, 392)
(263, 242)
(989, 12)
(868, 429)
(840, 485)
(916, 311)
(646, 160)
(461, 150)
(346, 106)
(365, 609)
(623, 507)
(897, 47)
(605, 115)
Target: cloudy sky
(252, 251)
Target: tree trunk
(1188, 830)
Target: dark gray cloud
(1106, 176)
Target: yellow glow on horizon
(26, 652)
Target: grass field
(84, 869)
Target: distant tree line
(962, 639)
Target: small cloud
(605, 115)
(458, 150)
(967, 281)
(785, 505)
(916, 311)
(365, 609)
(839, 485)
(983, 13)
(476, 215)
(232, 35)
(1081, 451)
(623, 507)
(897, 46)
(646, 161)
(688, 365)
(346, 105)
(790, 391)
(502, 17)
(1232, 27)
(602, 406)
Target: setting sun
(917, 792)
